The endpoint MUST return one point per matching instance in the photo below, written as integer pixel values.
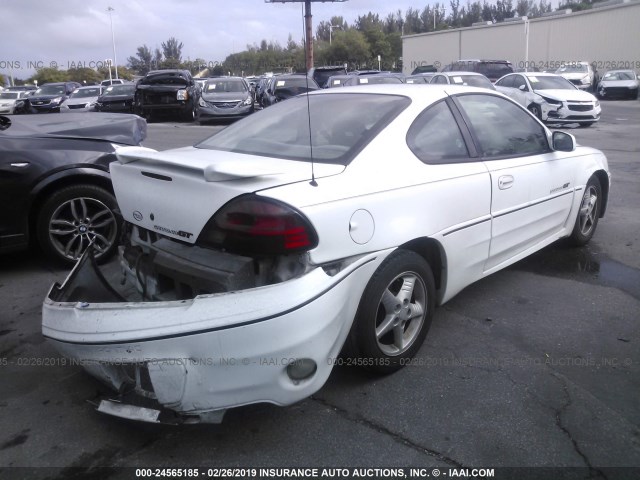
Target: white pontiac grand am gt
(249, 267)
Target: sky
(209, 29)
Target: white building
(608, 35)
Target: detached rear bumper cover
(215, 351)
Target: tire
(588, 213)
(535, 110)
(190, 114)
(386, 302)
(73, 216)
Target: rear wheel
(73, 217)
(588, 214)
(394, 314)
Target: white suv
(581, 74)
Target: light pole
(108, 62)
(526, 41)
(113, 41)
(307, 25)
(331, 27)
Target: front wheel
(588, 214)
(190, 114)
(535, 109)
(394, 314)
(73, 217)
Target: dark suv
(321, 74)
(50, 96)
(167, 91)
(492, 69)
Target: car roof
(457, 74)
(415, 91)
(538, 74)
(222, 77)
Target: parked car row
(177, 93)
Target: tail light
(250, 224)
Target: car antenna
(313, 182)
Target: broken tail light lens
(251, 224)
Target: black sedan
(50, 96)
(117, 98)
(282, 87)
(54, 181)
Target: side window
(440, 79)
(506, 82)
(519, 81)
(502, 128)
(435, 137)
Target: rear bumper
(618, 92)
(215, 351)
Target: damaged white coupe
(330, 224)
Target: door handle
(505, 182)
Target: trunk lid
(176, 192)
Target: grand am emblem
(179, 233)
(137, 216)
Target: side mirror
(563, 142)
(522, 88)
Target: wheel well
(58, 184)
(604, 185)
(434, 254)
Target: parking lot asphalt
(536, 365)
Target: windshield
(550, 83)
(322, 75)
(494, 70)
(341, 125)
(293, 82)
(418, 79)
(9, 95)
(51, 90)
(580, 68)
(472, 80)
(85, 92)
(377, 79)
(225, 86)
(119, 90)
(627, 75)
